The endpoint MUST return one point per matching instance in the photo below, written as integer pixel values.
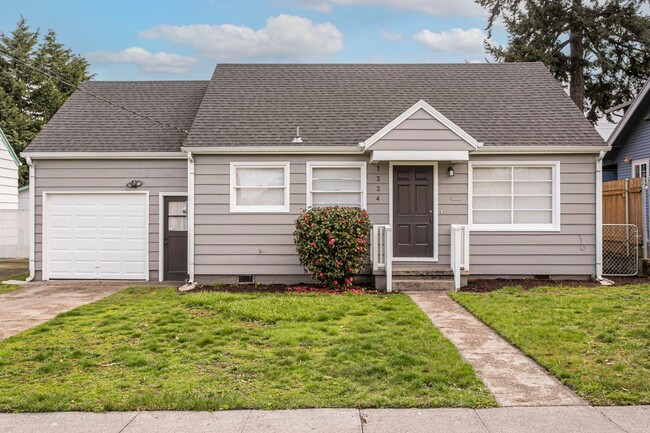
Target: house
(630, 141)
(486, 170)
(9, 164)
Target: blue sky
(164, 39)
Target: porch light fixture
(450, 171)
(134, 184)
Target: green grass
(6, 288)
(595, 340)
(156, 349)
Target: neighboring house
(9, 164)
(630, 141)
(498, 149)
(23, 197)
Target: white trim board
(557, 174)
(45, 223)
(422, 105)
(501, 150)
(104, 155)
(161, 231)
(270, 150)
(337, 164)
(436, 256)
(422, 156)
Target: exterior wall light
(450, 171)
(134, 184)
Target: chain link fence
(620, 249)
(14, 234)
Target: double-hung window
(515, 196)
(332, 183)
(259, 187)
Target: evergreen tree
(600, 48)
(28, 98)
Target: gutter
(190, 216)
(599, 216)
(32, 219)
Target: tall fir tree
(599, 48)
(28, 98)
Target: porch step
(421, 270)
(421, 284)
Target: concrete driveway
(38, 302)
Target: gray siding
(109, 175)
(636, 145)
(571, 251)
(253, 243)
(421, 131)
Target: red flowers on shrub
(333, 247)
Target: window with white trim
(508, 196)
(259, 187)
(336, 184)
(640, 168)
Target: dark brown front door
(413, 211)
(175, 238)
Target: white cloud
(456, 40)
(283, 37)
(432, 7)
(147, 62)
(390, 36)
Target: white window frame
(638, 162)
(235, 208)
(337, 164)
(555, 225)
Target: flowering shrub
(332, 243)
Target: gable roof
(10, 149)
(510, 104)
(85, 124)
(422, 105)
(638, 108)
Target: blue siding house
(630, 142)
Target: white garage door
(96, 236)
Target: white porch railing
(381, 252)
(459, 252)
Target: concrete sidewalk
(561, 419)
(513, 378)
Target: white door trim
(45, 224)
(161, 232)
(435, 208)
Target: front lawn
(596, 340)
(6, 288)
(157, 349)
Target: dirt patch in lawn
(280, 288)
(531, 283)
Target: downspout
(190, 216)
(32, 219)
(599, 216)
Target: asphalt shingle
(512, 104)
(85, 124)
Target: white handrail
(381, 251)
(459, 252)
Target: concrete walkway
(38, 302)
(565, 419)
(513, 378)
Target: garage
(96, 235)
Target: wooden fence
(623, 202)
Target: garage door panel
(98, 236)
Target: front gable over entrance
(423, 130)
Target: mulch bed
(530, 283)
(281, 288)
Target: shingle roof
(85, 124)
(500, 104)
